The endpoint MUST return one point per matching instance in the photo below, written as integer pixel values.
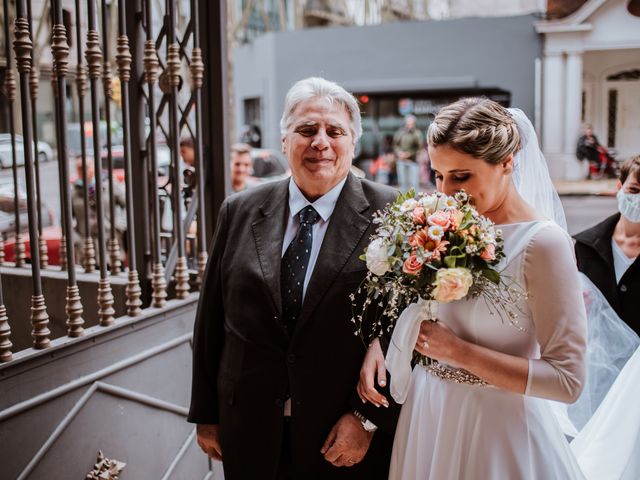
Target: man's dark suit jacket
(595, 260)
(244, 361)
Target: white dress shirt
(324, 206)
(621, 262)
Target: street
(585, 211)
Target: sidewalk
(586, 187)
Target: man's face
(410, 123)
(188, 155)
(240, 166)
(319, 146)
(90, 168)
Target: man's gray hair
(316, 87)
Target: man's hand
(209, 440)
(347, 443)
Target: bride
(497, 422)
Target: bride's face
(487, 183)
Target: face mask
(629, 205)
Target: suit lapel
(346, 227)
(268, 233)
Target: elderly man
(276, 361)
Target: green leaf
(450, 261)
(491, 275)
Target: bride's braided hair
(478, 127)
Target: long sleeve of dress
(558, 312)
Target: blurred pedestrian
(608, 253)
(188, 151)
(407, 141)
(252, 136)
(241, 167)
(78, 208)
(600, 162)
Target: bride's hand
(372, 366)
(437, 341)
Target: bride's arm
(558, 312)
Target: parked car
(7, 209)
(50, 232)
(45, 152)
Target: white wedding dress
(457, 431)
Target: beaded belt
(457, 375)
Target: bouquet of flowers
(433, 247)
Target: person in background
(241, 167)
(188, 151)
(589, 148)
(608, 253)
(251, 135)
(407, 141)
(78, 209)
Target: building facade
(394, 68)
(591, 74)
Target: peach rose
(440, 218)
(489, 253)
(456, 217)
(412, 266)
(419, 238)
(418, 215)
(452, 284)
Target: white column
(573, 110)
(553, 84)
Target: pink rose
(440, 218)
(489, 253)
(412, 266)
(452, 284)
(418, 215)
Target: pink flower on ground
(412, 266)
(440, 218)
(489, 253)
(418, 215)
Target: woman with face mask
(608, 252)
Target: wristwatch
(367, 424)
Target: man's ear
(284, 145)
(619, 184)
(507, 164)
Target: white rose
(377, 258)
(429, 203)
(408, 205)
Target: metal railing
(158, 106)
